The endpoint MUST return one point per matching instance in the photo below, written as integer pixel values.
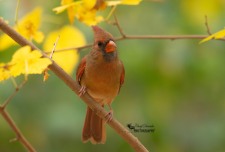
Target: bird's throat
(108, 57)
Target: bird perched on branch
(100, 74)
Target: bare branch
(138, 37)
(207, 25)
(54, 46)
(70, 82)
(71, 48)
(17, 10)
(162, 37)
(165, 37)
(20, 137)
(3, 106)
(157, 1)
(119, 27)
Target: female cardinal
(100, 74)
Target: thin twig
(165, 37)
(137, 37)
(17, 10)
(45, 72)
(111, 12)
(54, 46)
(119, 27)
(207, 25)
(3, 106)
(157, 1)
(20, 137)
(14, 82)
(71, 48)
(70, 82)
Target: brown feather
(122, 76)
(86, 133)
(81, 69)
(94, 128)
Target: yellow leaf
(26, 61)
(89, 4)
(38, 37)
(60, 9)
(70, 6)
(123, 2)
(6, 42)
(69, 37)
(4, 72)
(84, 10)
(64, 2)
(216, 35)
(28, 27)
(130, 2)
(113, 3)
(71, 14)
(88, 17)
(100, 5)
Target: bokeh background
(178, 86)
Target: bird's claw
(82, 91)
(109, 116)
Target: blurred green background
(177, 86)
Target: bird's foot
(82, 91)
(109, 116)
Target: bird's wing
(122, 76)
(81, 69)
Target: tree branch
(125, 36)
(101, 112)
(20, 137)
(3, 106)
(136, 37)
(207, 25)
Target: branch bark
(125, 36)
(136, 37)
(120, 129)
(19, 135)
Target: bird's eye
(100, 44)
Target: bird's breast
(102, 79)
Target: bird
(100, 74)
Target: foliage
(28, 27)
(217, 35)
(86, 10)
(24, 61)
(69, 37)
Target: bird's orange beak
(110, 47)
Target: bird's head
(104, 42)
